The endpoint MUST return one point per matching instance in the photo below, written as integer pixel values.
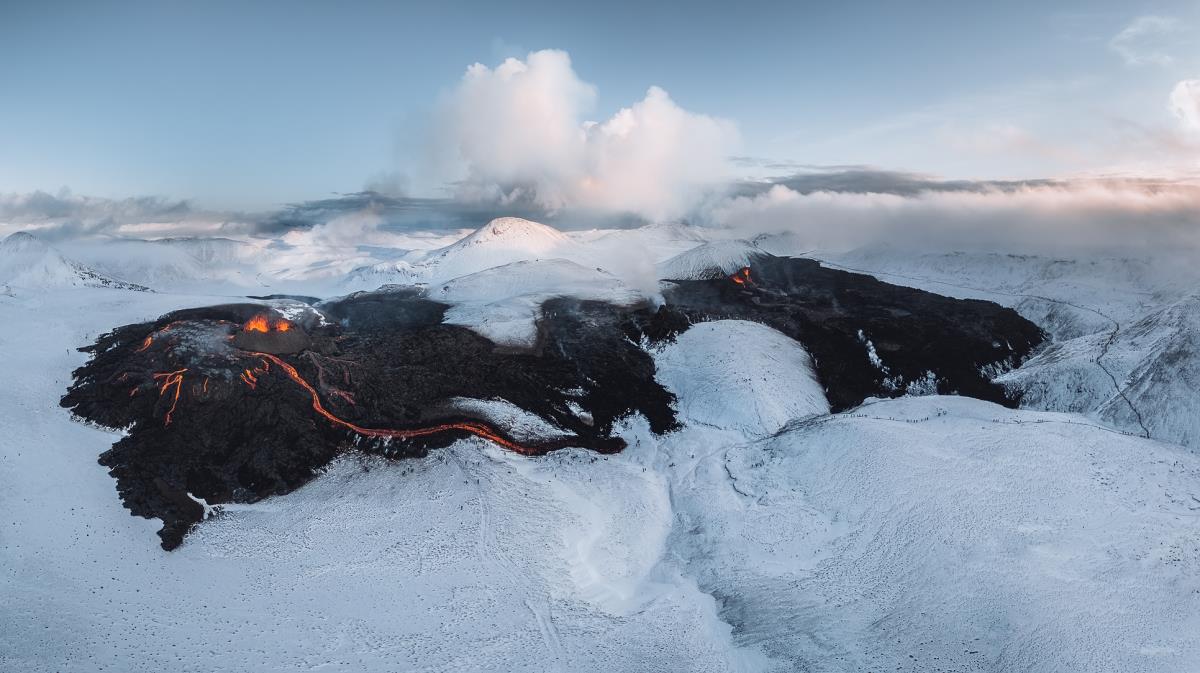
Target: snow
(1155, 361)
(28, 263)
(657, 242)
(503, 303)
(945, 533)
(517, 423)
(710, 260)
(1067, 296)
(921, 533)
(1125, 332)
(471, 558)
(742, 376)
(501, 241)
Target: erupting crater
(275, 335)
(234, 403)
(238, 402)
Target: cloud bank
(66, 215)
(519, 134)
(1125, 217)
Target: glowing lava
(261, 323)
(258, 323)
(167, 381)
(475, 428)
(250, 376)
(742, 277)
(170, 385)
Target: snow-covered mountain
(175, 264)
(1068, 297)
(943, 533)
(1124, 330)
(763, 534)
(915, 534)
(501, 241)
(30, 263)
(709, 260)
(1143, 378)
(504, 302)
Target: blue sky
(252, 106)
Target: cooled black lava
(236, 403)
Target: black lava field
(238, 402)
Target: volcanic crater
(238, 402)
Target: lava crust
(238, 402)
(867, 338)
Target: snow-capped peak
(502, 241)
(512, 232)
(22, 243)
(709, 260)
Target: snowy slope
(742, 376)
(175, 264)
(1155, 362)
(501, 241)
(470, 559)
(631, 254)
(657, 241)
(710, 260)
(503, 303)
(914, 534)
(944, 533)
(29, 263)
(1068, 297)
(372, 276)
(1125, 330)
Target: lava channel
(478, 429)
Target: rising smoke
(519, 134)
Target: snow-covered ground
(502, 303)
(27, 263)
(930, 533)
(742, 376)
(1125, 331)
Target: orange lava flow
(258, 324)
(168, 380)
(742, 277)
(477, 429)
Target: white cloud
(1111, 215)
(1185, 104)
(519, 132)
(1144, 40)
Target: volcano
(238, 402)
(233, 403)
